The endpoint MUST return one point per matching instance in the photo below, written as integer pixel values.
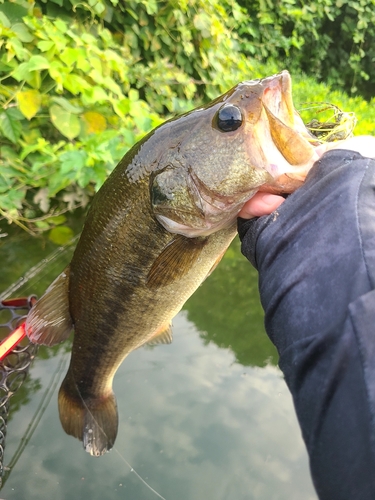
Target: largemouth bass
(155, 230)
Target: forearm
(315, 271)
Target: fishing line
(35, 419)
(136, 473)
(116, 450)
(37, 269)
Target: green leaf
(75, 84)
(60, 25)
(56, 183)
(94, 95)
(88, 38)
(22, 32)
(69, 56)
(37, 63)
(56, 219)
(12, 199)
(4, 20)
(122, 107)
(151, 7)
(133, 95)
(67, 123)
(31, 148)
(99, 8)
(203, 23)
(13, 12)
(15, 45)
(43, 225)
(68, 106)
(61, 235)
(10, 125)
(57, 72)
(29, 71)
(29, 102)
(94, 122)
(81, 62)
(45, 45)
(4, 67)
(22, 72)
(72, 161)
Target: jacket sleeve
(316, 261)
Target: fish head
(249, 139)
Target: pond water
(208, 417)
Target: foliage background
(80, 82)
(331, 40)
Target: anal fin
(163, 336)
(49, 321)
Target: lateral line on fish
(116, 450)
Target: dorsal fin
(176, 259)
(49, 321)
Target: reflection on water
(207, 417)
(227, 311)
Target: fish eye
(229, 118)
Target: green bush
(75, 95)
(333, 41)
(80, 82)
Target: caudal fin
(49, 321)
(94, 421)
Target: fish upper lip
(286, 93)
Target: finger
(260, 204)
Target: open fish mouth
(288, 131)
(291, 152)
(283, 118)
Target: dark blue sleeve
(316, 261)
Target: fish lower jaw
(287, 178)
(194, 232)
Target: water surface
(206, 418)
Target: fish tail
(49, 321)
(93, 420)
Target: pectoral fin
(176, 259)
(49, 321)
